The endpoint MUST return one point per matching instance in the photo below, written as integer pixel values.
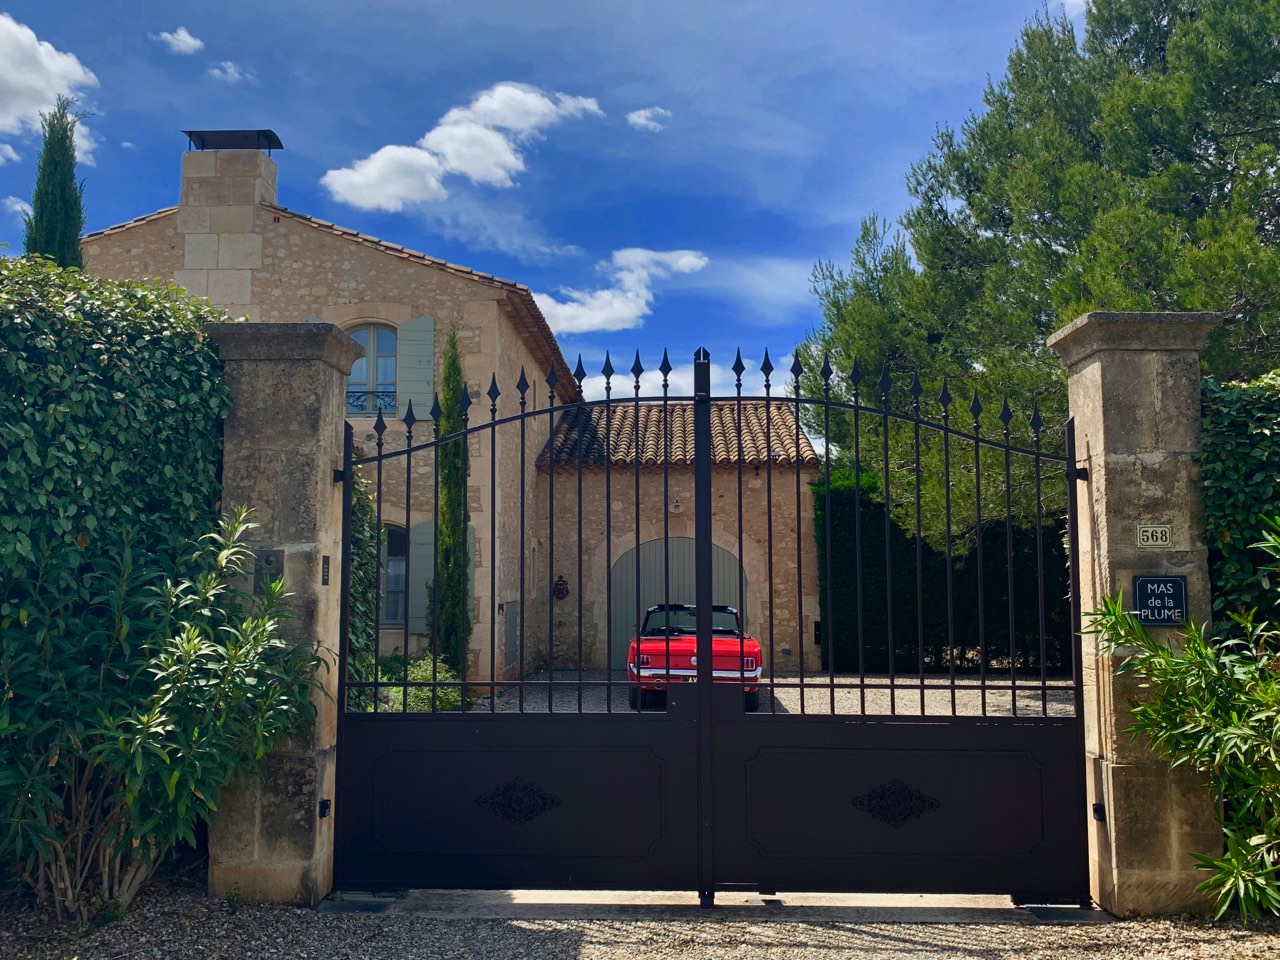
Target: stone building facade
(229, 240)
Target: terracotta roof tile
(167, 211)
(582, 431)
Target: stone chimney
(218, 217)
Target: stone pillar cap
(1155, 332)
(239, 340)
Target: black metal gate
(910, 721)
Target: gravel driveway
(849, 695)
(176, 921)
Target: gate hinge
(1100, 812)
(343, 475)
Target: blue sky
(661, 174)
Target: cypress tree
(56, 220)
(453, 587)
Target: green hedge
(110, 416)
(918, 597)
(1240, 477)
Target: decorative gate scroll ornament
(896, 803)
(518, 801)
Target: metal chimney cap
(233, 140)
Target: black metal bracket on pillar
(702, 587)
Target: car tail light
(748, 663)
(644, 660)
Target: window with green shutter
(372, 385)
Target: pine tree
(56, 220)
(452, 591)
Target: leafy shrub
(391, 672)
(1214, 704)
(110, 417)
(864, 544)
(127, 707)
(1240, 476)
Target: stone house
(627, 474)
(229, 239)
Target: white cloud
(8, 154)
(628, 299)
(86, 142)
(16, 206)
(480, 142)
(1075, 8)
(650, 118)
(32, 74)
(179, 41)
(680, 381)
(127, 145)
(228, 71)
(768, 289)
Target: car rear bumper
(657, 678)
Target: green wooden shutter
(415, 360)
(421, 571)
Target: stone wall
(795, 571)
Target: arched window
(372, 384)
(395, 547)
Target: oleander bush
(1213, 702)
(129, 705)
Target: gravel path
(851, 697)
(174, 920)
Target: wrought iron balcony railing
(369, 402)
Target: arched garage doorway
(679, 554)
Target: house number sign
(1154, 535)
(1160, 601)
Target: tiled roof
(137, 221)
(520, 307)
(581, 432)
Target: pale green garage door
(679, 560)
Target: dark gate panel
(822, 803)
(530, 801)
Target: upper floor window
(372, 384)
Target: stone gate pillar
(272, 840)
(1134, 390)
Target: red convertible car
(669, 631)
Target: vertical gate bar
(607, 370)
(469, 594)
(703, 588)
(766, 367)
(409, 421)
(636, 370)
(583, 416)
(740, 572)
(885, 383)
(493, 544)
(553, 448)
(796, 370)
(855, 377)
(436, 413)
(344, 571)
(1074, 475)
(944, 398)
(976, 409)
(1008, 548)
(379, 427)
(665, 368)
(1044, 652)
(828, 626)
(915, 418)
(522, 385)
